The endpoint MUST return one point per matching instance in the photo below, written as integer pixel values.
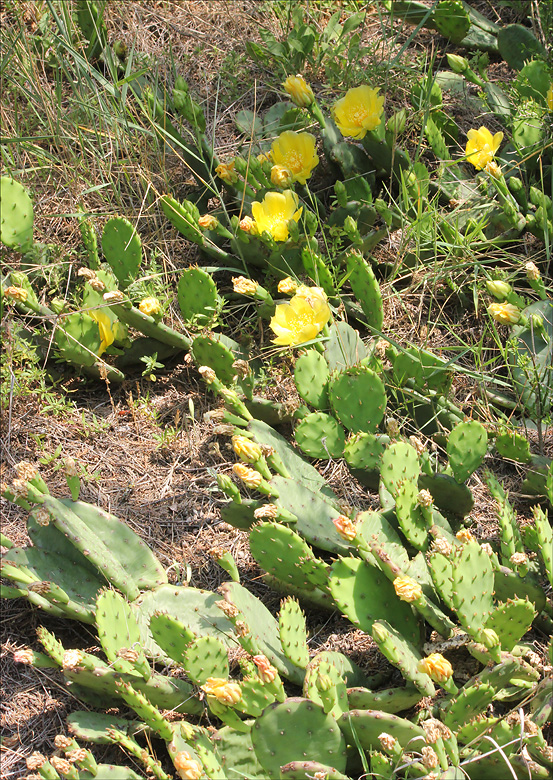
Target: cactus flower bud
(226, 172)
(77, 756)
(488, 549)
(224, 691)
(266, 672)
(208, 222)
(242, 368)
(61, 765)
(498, 288)
(62, 742)
(267, 511)
(299, 91)
(350, 228)
(115, 296)
(287, 286)
(464, 535)
(457, 64)
(17, 293)
(70, 468)
(392, 428)
(493, 169)
(281, 176)
(407, 589)
(504, 313)
(86, 273)
(23, 656)
(186, 766)
(489, 638)
(247, 450)
(532, 271)
(436, 667)
(150, 306)
(207, 374)
(345, 527)
(244, 286)
(387, 742)
(250, 477)
(35, 761)
(72, 660)
(247, 225)
(441, 545)
(424, 498)
(26, 471)
(429, 757)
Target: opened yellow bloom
(436, 667)
(504, 313)
(299, 91)
(482, 147)
(359, 111)
(295, 152)
(274, 213)
(407, 589)
(224, 691)
(299, 321)
(105, 328)
(150, 306)
(311, 294)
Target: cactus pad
(198, 298)
(296, 730)
(358, 397)
(16, 222)
(122, 249)
(467, 445)
(319, 435)
(311, 376)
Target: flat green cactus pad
(16, 215)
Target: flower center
(358, 114)
(294, 161)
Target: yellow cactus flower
(299, 91)
(295, 152)
(226, 172)
(244, 286)
(281, 176)
(274, 213)
(482, 147)
(504, 313)
(186, 766)
(359, 111)
(550, 98)
(287, 286)
(299, 321)
(436, 667)
(208, 222)
(150, 306)
(250, 477)
(345, 527)
(407, 589)
(224, 691)
(311, 294)
(105, 328)
(247, 450)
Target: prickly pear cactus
(122, 249)
(17, 217)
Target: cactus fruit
(122, 249)
(17, 220)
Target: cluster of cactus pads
(409, 576)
